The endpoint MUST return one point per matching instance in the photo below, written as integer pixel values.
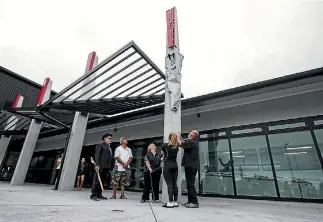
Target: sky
(225, 43)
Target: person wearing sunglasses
(102, 158)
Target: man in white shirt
(121, 172)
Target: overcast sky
(225, 43)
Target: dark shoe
(102, 197)
(192, 205)
(184, 204)
(142, 201)
(123, 197)
(113, 197)
(94, 197)
(168, 205)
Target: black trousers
(96, 188)
(151, 181)
(190, 175)
(56, 176)
(170, 174)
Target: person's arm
(120, 161)
(163, 152)
(188, 144)
(130, 159)
(162, 155)
(147, 163)
(97, 155)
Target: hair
(173, 140)
(195, 133)
(150, 145)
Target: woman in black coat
(152, 174)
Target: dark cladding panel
(11, 84)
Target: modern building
(12, 84)
(263, 140)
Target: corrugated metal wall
(10, 85)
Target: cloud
(225, 43)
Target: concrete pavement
(39, 203)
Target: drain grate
(117, 210)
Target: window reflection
(9, 166)
(298, 169)
(253, 174)
(215, 167)
(319, 138)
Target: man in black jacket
(191, 164)
(103, 158)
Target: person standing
(170, 171)
(81, 174)
(191, 163)
(103, 158)
(121, 172)
(58, 167)
(152, 174)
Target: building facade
(263, 140)
(12, 84)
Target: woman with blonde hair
(152, 174)
(170, 171)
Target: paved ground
(39, 203)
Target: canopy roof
(125, 81)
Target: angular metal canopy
(125, 81)
(14, 123)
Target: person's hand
(125, 165)
(97, 167)
(179, 134)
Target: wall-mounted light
(115, 129)
(198, 115)
(298, 148)
(233, 152)
(296, 153)
(242, 156)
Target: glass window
(319, 138)
(253, 174)
(318, 122)
(298, 169)
(246, 131)
(215, 168)
(137, 164)
(286, 126)
(33, 162)
(212, 135)
(203, 136)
